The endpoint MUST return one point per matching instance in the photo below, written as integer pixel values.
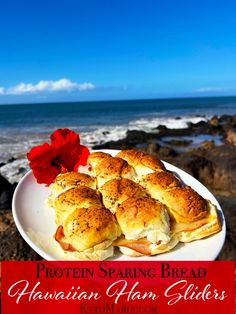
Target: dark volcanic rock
(164, 131)
(152, 149)
(228, 205)
(132, 139)
(166, 152)
(231, 136)
(223, 159)
(180, 142)
(215, 167)
(136, 137)
(198, 166)
(207, 145)
(4, 184)
(12, 245)
(159, 151)
(11, 159)
(214, 121)
(6, 193)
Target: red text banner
(118, 287)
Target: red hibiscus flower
(64, 154)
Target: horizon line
(115, 100)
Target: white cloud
(2, 90)
(46, 86)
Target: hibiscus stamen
(57, 162)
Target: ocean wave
(16, 144)
(170, 122)
(114, 133)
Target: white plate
(35, 222)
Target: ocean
(25, 125)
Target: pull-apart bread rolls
(69, 200)
(89, 232)
(145, 225)
(113, 168)
(192, 217)
(116, 191)
(95, 158)
(68, 180)
(130, 201)
(142, 163)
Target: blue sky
(94, 50)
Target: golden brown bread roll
(68, 180)
(116, 191)
(142, 163)
(187, 209)
(89, 231)
(69, 200)
(145, 225)
(158, 183)
(95, 158)
(186, 205)
(113, 168)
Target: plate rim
(48, 257)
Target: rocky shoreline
(212, 161)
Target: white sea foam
(114, 133)
(16, 143)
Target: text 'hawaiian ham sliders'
(145, 225)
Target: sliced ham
(59, 237)
(141, 246)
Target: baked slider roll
(142, 163)
(89, 232)
(192, 217)
(69, 200)
(158, 183)
(94, 159)
(113, 168)
(116, 191)
(68, 180)
(145, 225)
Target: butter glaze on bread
(116, 191)
(67, 180)
(163, 181)
(142, 163)
(90, 232)
(186, 205)
(87, 227)
(95, 158)
(68, 201)
(113, 168)
(145, 225)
